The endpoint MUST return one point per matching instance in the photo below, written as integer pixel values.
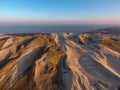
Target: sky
(60, 11)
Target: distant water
(48, 28)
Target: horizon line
(59, 21)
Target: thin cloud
(83, 13)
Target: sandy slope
(60, 61)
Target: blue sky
(64, 11)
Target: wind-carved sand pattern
(60, 61)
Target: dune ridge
(60, 61)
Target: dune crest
(60, 61)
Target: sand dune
(60, 61)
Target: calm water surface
(48, 28)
